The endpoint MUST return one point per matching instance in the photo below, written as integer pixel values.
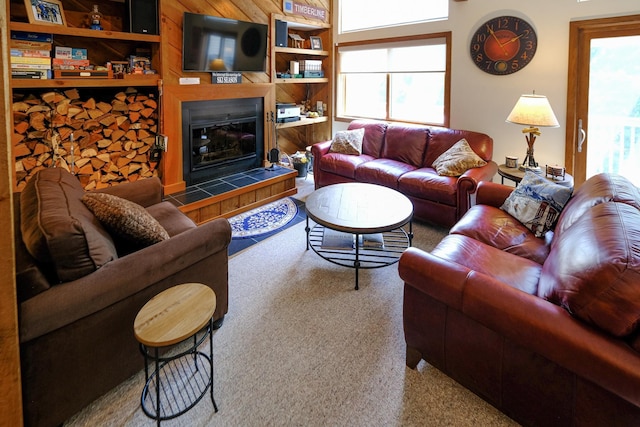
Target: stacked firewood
(103, 143)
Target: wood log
(20, 107)
(37, 121)
(89, 104)
(105, 157)
(104, 107)
(111, 140)
(21, 150)
(72, 94)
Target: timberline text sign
(304, 10)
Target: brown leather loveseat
(401, 156)
(80, 287)
(544, 329)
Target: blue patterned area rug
(261, 223)
(263, 220)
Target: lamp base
(529, 162)
(536, 169)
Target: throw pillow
(348, 142)
(457, 160)
(127, 219)
(537, 203)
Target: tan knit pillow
(457, 160)
(127, 219)
(348, 142)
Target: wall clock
(503, 45)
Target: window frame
(408, 20)
(446, 35)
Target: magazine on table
(333, 239)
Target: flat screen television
(214, 44)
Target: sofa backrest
(58, 230)
(593, 267)
(406, 143)
(374, 133)
(442, 139)
(417, 145)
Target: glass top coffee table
(359, 225)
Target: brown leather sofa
(546, 330)
(76, 336)
(400, 156)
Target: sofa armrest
(145, 192)
(492, 193)
(434, 276)
(68, 302)
(318, 150)
(468, 183)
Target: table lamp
(532, 111)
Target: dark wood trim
(11, 402)
(580, 35)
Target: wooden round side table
(516, 175)
(181, 378)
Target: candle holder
(555, 172)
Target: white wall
(480, 101)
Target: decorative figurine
(95, 16)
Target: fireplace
(221, 137)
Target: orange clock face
(503, 45)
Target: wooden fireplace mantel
(174, 95)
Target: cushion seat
(383, 171)
(497, 228)
(426, 183)
(516, 272)
(343, 164)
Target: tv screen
(215, 44)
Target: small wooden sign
(226, 78)
(308, 11)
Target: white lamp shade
(533, 110)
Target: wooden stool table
(171, 317)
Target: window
(358, 15)
(401, 80)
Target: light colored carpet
(301, 347)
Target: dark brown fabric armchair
(76, 335)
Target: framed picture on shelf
(45, 12)
(316, 43)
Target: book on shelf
(29, 53)
(30, 44)
(30, 74)
(333, 239)
(70, 64)
(30, 60)
(37, 37)
(30, 66)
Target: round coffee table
(371, 219)
(171, 317)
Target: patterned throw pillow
(348, 142)
(457, 160)
(127, 219)
(537, 203)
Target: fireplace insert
(221, 137)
